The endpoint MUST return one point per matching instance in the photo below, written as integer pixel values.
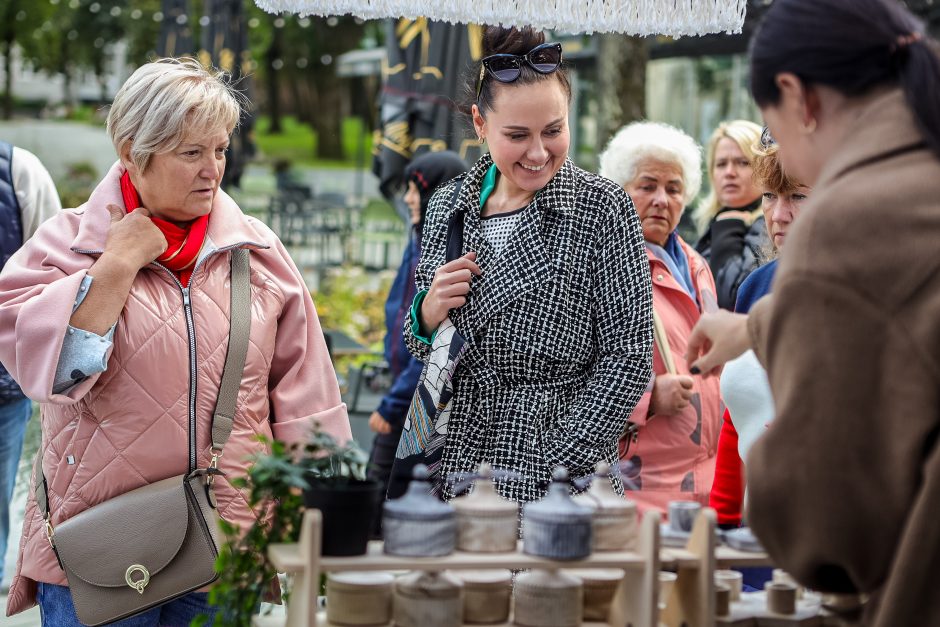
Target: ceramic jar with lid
(359, 599)
(614, 517)
(486, 596)
(556, 527)
(486, 522)
(428, 598)
(419, 524)
(547, 598)
(600, 586)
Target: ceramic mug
(733, 579)
(682, 515)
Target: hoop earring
(481, 139)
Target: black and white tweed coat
(558, 328)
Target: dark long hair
(499, 40)
(852, 46)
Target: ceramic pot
(349, 509)
(423, 599)
(547, 598)
(556, 527)
(359, 598)
(419, 524)
(486, 522)
(486, 596)
(599, 586)
(614, 518)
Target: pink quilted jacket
(129, 426)
(674, 456)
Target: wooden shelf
(636, 603)
(287, 558)
(725, 557)
(321, 621)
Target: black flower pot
(349, 508)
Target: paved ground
(59, 144)
(26, 619)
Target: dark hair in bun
(499, 40)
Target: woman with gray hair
(116, 318)
(672, 436)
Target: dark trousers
(381, 458)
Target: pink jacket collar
(227, 224)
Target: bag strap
(662, 344)
(454, 248)
(224, 414)
(240, 327)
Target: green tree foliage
(19, 20)
(68, 36)
(296, 62)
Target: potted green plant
(322, 474)
(273, 487)
(337, 486)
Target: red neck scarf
(183, 242)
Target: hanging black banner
(421, 95)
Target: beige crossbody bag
(159, 542)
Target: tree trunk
(621, 68)
(8, 80)
(328, 121)
(273, 82)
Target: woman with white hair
(115, 316)
(671, 442)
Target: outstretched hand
(716, 339)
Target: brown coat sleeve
(757, 320)
(832, 483)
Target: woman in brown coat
(844, 488)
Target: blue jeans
(13, 418)
(56, 610)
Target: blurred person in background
(28, 198)
(744, 386)
(732, 229)
(844, 486)
(423, 176)
(672, 454)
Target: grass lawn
(298, 141)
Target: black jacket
(733, 250)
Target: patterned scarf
(676, 261)
(183, 242)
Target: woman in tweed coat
(552, 293)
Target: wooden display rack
(691, 603)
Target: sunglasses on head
(766, 139)
(507, 68)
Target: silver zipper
(191, 330)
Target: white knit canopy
(634, 17)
